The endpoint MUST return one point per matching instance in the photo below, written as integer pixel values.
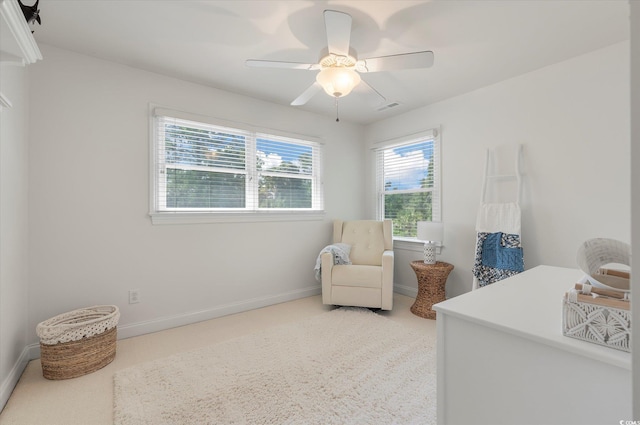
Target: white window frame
(403, 242)
(251, 213)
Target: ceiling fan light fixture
(338, 81)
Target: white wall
(572, 119)
(91, 239)
(13, 228)
(635, 200)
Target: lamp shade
(432, 231)
(338, 81)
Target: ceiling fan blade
(307, 94)
(394, 62)
(338, 27)
(371, 95)
(255, 63)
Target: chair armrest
(326, 265)
(387, 258)
(387, 279)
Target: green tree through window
(285, 173)
(407, 176)
(204, 167)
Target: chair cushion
(355, 275)
(366, 238)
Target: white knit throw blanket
(340, 253)
(347, 366)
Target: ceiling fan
(339, 67)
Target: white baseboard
(14, 375)
(162, 323)
(32, 351)
(169, 322)
(405, 290)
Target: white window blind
(205, 168)
(199, 166)
(286, 173)
(408, 182)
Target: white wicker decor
(78, 324)
(602, 325)
(596, 253)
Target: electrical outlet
(134, 296)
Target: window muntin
(408, 182)
(204, 168)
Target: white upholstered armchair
(368, 281)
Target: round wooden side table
(432, 279)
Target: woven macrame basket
(597, 324)
(78, 342)
(598, 309)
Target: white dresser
(502, 358)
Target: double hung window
(202, 168)
(408, 181)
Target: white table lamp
(430, 232)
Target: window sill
(235, 217)
(412, 244)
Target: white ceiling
(475, 43)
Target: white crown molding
(21, 43)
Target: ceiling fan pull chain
(337, 112)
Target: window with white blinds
(200, 167)
(408, 181)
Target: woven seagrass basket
(78, 342)
(432, 279)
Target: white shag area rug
(346, 366)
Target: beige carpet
(347, 366)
